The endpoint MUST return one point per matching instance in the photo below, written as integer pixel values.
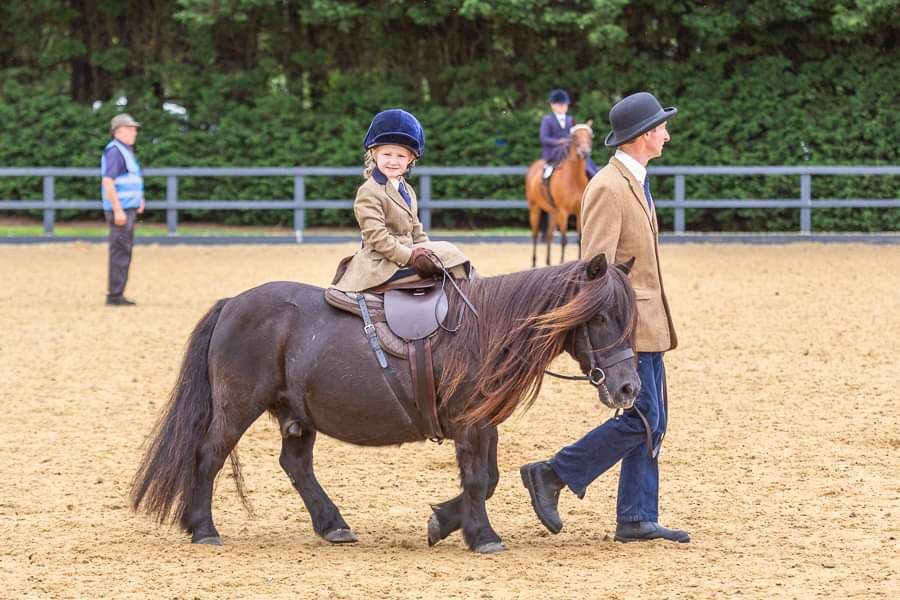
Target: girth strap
(422, 409)
(396, 386)
(369, 330)
(422, 370)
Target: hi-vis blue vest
(129, 185)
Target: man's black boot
(641, 531)
(118, 301)
(543, 485)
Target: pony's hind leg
(219, 444)
(297, 461)
(472, 453)
(447, 516)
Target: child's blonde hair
(369, 162)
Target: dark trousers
(121, 240)
(624, 438)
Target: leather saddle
(416, 313)
(402, 320)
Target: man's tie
(647, 192)
(402, 189)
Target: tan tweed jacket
(616, 221)
(390, 230)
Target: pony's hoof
(340, 536)
(491, 548)
(434, 530)
(212, 540)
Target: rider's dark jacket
(552, 150)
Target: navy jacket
(551, 150)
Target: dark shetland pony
(280, 348)
(566, 187)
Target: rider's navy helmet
(396, 126)
(560, 97)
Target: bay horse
(281, 348)
(566, 188)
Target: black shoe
(118, 301)
(641, 531)
(543, 485)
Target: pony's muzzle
(626, 396)
(627, 404)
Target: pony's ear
(596, 267)
(625, 267)
(589, 122)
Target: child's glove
(425, 263)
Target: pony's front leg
(562, 224)
(447, 516)
(473, 452)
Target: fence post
(679, 200)
(299, 213)
(425, 213)
(171, 200)
(806, 204)
(49, 210)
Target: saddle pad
(414, 315)
(346, 302)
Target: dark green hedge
(836, 110)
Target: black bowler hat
(635, 114)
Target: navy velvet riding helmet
(396, 126)
(559, 97)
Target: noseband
(596, 375)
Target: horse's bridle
(577, 127)
(597, 378)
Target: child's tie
(402, 189)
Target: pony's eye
(602, 319)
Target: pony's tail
(165, 478)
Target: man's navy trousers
(624, 438)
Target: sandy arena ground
(781, 458)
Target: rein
(445, 277)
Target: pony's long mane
(499, 359)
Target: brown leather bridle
(596, 376)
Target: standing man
(122, 188)
(619, 220)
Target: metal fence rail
(299, 204)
